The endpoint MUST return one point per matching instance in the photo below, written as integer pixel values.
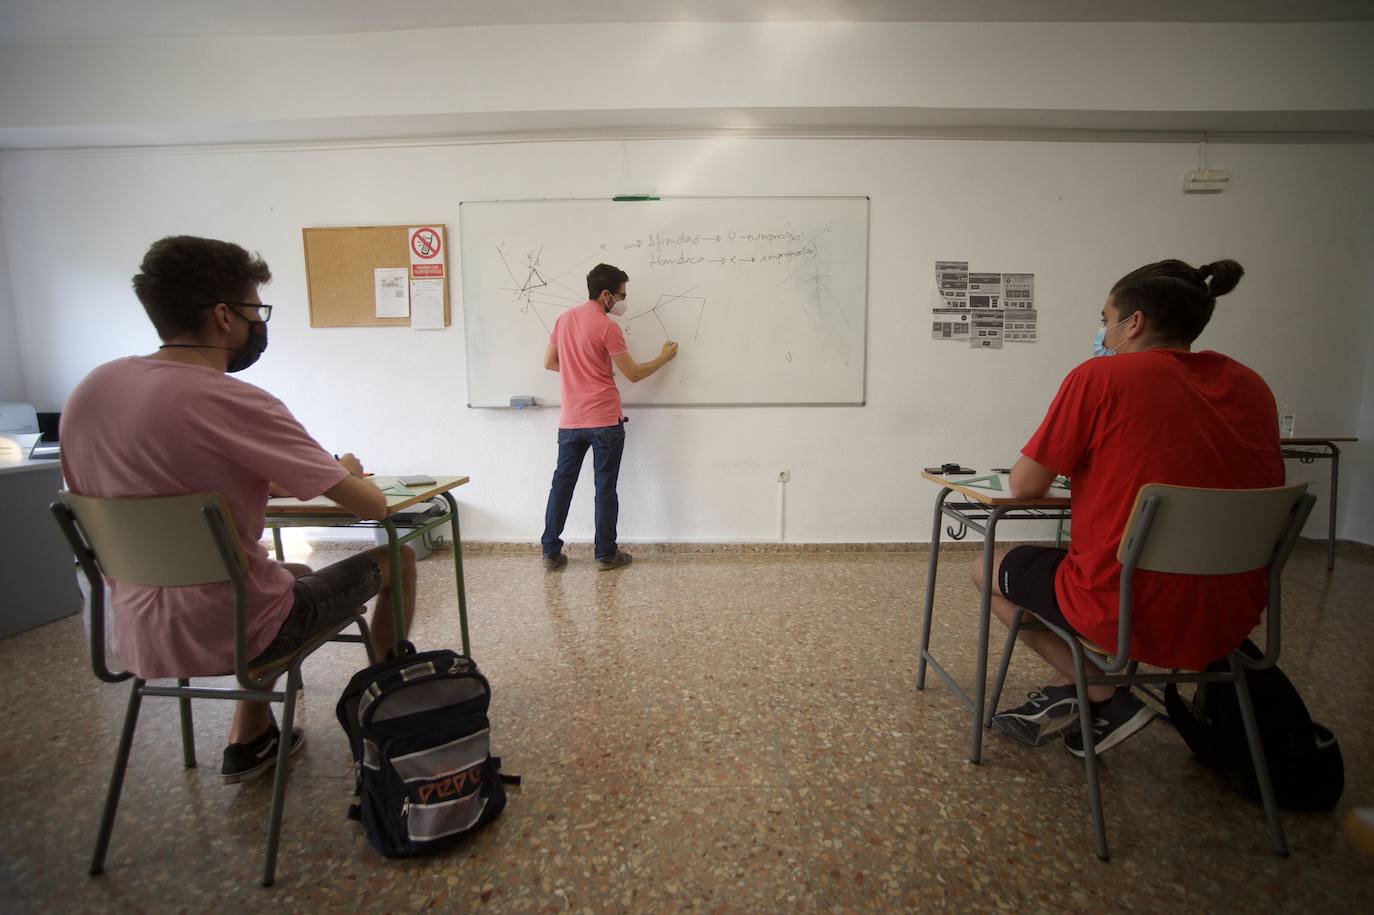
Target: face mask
(252, 350)
(619, 307)
(1099, 346)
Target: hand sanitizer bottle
(1286, 422)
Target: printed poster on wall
(390, 292)
(427, 304)
(983, 309)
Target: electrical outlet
(784, 476)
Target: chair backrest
(1191, 531)
(1185, 530)
(165, 541)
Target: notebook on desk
(18, 446)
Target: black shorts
(1026, 578)
(322, 600)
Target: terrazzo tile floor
(698, 732)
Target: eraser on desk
(522, 401)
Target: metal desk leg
(930, 587)
(980, 685)
(398, 598)
(458, 571)
(276, 541)
(1331, 512)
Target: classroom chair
(169, 542)
(1187, 531)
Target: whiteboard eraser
(522, 401)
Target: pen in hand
(351, 464)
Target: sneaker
(1049, 712)
(556, 561)
(1114, 720)
(244, 761)
(621, 558)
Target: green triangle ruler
(991, 482)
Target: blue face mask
(1099, 341)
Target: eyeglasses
(258, 314)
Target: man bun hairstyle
(1178, 299)
(182, 275)
(1220, 277)
(605, 278)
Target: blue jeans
(607, 444)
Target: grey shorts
(322, 600)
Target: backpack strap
(355, 806)
(1200, 738)
(505, 779)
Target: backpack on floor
(417, 726)
(1304, 758)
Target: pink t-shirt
(142, 427)
(586, 340)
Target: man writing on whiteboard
(584, 345)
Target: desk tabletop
(398, 498)
(1316, 439)
(995, 489)
(30, 466)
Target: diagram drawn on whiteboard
(682, 310)
(813, 275)
(542, 290)
(536, 290)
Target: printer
(23, 433)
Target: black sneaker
(556, 561)
(1114, 720)
(621, 558)
(244, 761)
(1049, 712)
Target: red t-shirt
(1159, 416)
(586, 340)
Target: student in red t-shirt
(1156, 413)
(583, 346)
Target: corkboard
(338, 268)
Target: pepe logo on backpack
(421, 741)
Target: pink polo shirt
(587, 340)
(142, 427)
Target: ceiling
(53, 21)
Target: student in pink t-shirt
(177, 422)
(582, 348)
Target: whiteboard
(767, 297)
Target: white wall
(1357, 470)
(525, 77)
(1078, 215)
(11, 370)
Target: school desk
(1300, 447)
(320, 512)
(984, 501)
